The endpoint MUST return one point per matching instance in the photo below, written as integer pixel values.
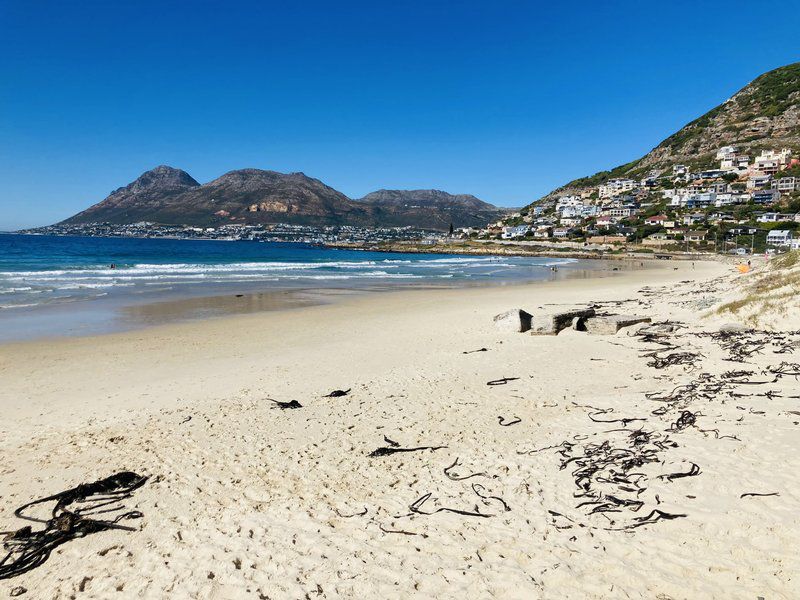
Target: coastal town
(279, 232)
(739, 205)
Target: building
(786, 184)
(510, 233)
(779, 237)
(562, 232)
(569, 221)
(694, 218)
(766, 196)
(759, 182)
(770, 162)
(614, 187)
(606, 221)
(622, 211)
(656, 220)
(701, 200)
(770, 217)
(696, 236)
(726, 151)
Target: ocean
(88, 283)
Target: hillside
(252, 196)
(765, 113)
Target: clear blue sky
(504, 100)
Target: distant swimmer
(113, 266)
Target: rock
(513, 321)
(552, 323)
(611, 324)
(18, 591)
(658, 329)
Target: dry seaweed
(452, 477)
(389, 450)
(501, 381)
(71, 518)
(337, 393)
(286, 405)
(416, 508)
(502, 421)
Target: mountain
(252, 196)
(763, 114)
(405, 207)
(147, 194)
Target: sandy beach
(248, 500)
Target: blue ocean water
(40, 270)
(64, 286)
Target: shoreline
(533, 249)
(109, 314)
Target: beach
(246, 499)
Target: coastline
(142, 292)
(533, 249)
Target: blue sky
(504, 100)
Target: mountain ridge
(167, 195)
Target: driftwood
(71, 518)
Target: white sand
(248, 501)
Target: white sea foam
(66, 284)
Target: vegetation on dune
(773, 292)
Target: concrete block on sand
(552, 323)
(513, 321)
(611, 324)
(732, 328)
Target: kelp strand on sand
(71, 518)
(501, 381)
(286, 405)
